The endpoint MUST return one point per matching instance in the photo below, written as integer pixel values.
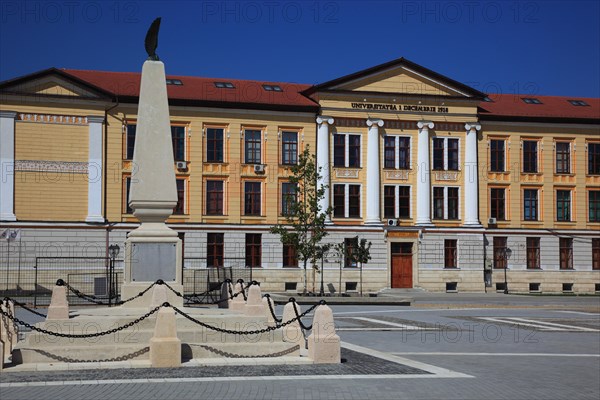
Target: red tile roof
(201, 90)
(552, 107)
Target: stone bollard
(159, 296)
(226, 288)
(59, 307)
(270, 320)
(1, 355)
(5, 335)
(323, 342)
(165, 347)
(12, 327)
(238, 303)
(292, 332)
(254, 305)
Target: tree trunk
(305, 279)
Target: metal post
(322, 291)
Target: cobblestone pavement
(538, 349)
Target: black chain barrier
(85, 335)
(277, 320)
(93, 299)
(190, 299)
(306, 328)
(22, 305)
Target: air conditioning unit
(259, 168)
(392, 222)
(181, 164)
(492, 221)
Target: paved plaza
(450, 346)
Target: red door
(402, 268)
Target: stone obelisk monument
(153, 250)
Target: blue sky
(529, 47)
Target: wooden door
(402, 268)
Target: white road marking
(384, 329)
(407, 311)
(581, 312)
(395, 325)
(508, 321)
(416, 353)
(579, 328)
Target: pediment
(399, 77)
(52, 85)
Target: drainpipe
(105, 180)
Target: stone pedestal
(238, 303)
(226, 288)
(1, 355)
(159, 296)
(323, 342)
(165, 347)
(270, 320)
(59, 307)
(292, 332)
(254, 304)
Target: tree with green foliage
(305, 221)
(361, 255)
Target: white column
(7, 163)
(373, 173)
(423, 175)
(471, 179)
(323, 163)
(95, 169)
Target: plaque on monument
(152, 261)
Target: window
(403, 152)
(530, 156)
(214, 145)
(253, 250)
(272, 88)
(346, 150)
(438, 202)
(563, 205)
(497, 155)
(498, 204)
(339, 200)
(404, 201)
(450, 253)
(389, 152)
(499, 252)
(289, 148)
(252, 146)
(127, 208)
(288, 197)
(594, 205)
(130, 141)
(438, 154)
(389, 201)
(533, 252)
(214, 250)
(176, 82)
(252, 198)
(531, 100)
(354, 151)
(593, 158)
(178, 139)
(530, 204)
(445, 154)
(354, 201)
(566, 253)
(578, 103)
(452, 202)
(563, 157)
(350, 244)
(290, 258)
(214, 197)
(339, 150)
(224, 85)
(452, 154)
(595, 253)
(180, 207)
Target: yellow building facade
(456, 191)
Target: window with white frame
(252, 146)
(445, 203)
(346, 150)
(346, 200)
(396, 152)
(396, 201)
(445, 154)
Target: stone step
(134, 336)
(125, 352)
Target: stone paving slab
(353, 363)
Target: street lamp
(113, 252)
(506, 254)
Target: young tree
(305, 227)
(361, 254)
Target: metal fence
(92, 277)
